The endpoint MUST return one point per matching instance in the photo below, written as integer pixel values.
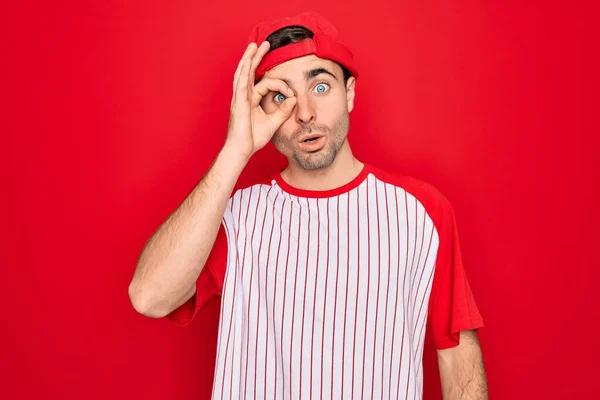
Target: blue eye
(279, 98)
(321, 88)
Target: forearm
(174, 256)
(462, 370)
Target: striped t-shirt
(328, 294)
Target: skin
(462, 370)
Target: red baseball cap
(325, 43)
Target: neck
(342, 170)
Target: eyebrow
(317, 71)
(308, 75)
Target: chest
(351, 245)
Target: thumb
(283, 112)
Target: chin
(318, 160)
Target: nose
(305, 111)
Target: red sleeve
(452, 307)
(208, 285)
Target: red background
(113, 110)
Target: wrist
(232, 157)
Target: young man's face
(321, 111)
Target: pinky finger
(241, 90)
(236, 76)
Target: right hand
(250, 127)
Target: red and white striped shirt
(328, 294)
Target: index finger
(265, 86)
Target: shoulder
(251, 185)
(429, 196)
(422, 190)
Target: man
(330, 271)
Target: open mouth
(311, 138)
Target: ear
(350, 92)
